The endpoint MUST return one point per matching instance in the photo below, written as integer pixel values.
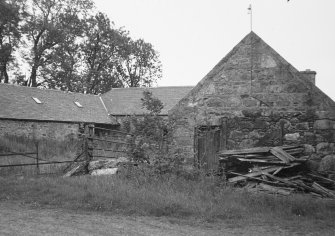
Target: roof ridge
(174, 86)
(47, 89)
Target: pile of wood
(280, 170)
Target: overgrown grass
(143, 191)
(48, 150)
(167, 195)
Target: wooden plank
(315, 194)
(288, 156)
(258, 173)
(273, 189)
(258, 151)
(17, 154)
(247, 176)
(302, 185)
(213, 146)
(99, 156)
(78, 167)
(282, 155)
(108, 140)
(252, 174)
(287, 147)
(280, 180)
(299, 184)
(201, 151)
(260, 161)
(322, 178)
(294, 177)
(277, 171)
(255, 156)
(294, 151)
(40, 163)
(327, 192)
(245, 151)
(223, 134)
(108, 150)
(115, 131)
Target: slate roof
(127, 101)
(16, 103)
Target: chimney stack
(309, 75)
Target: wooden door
(208, 141)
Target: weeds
(166, 195)
(149, 191)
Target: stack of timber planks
(279, 170)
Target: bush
(151, 136)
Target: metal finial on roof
(250, 13)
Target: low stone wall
(41, 129)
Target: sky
(191, 36)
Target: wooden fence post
(90, 144)
(37, 158)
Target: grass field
(137, 193)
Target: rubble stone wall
(258, 92)
(279, 129)
(50, 130)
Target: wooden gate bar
(108, 140)
(41, 163)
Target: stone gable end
(255, 84)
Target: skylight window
(78, 104)
(37, 100)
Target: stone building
(59, 115)
(252, 97)
(48, 114)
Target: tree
(9, 34)
(93, 59)
(47, 26)
(141, 65)
(70, 49)
(100, 50)
(63, 71)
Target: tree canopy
(70, 46)
(10, 13)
